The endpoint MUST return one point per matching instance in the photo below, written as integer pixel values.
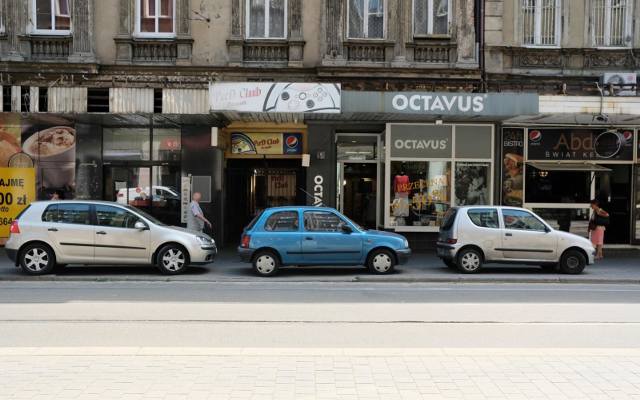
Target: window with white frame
(51, 17)
(366, 19)
(155, 18)
(541, 22)
(611, 23)
(266, 19)
(431, 17)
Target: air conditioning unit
(619, 83)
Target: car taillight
(452, 241)
(14, 228)
(120, 194)
(245, 241)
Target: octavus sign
(318, 190)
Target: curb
(356, 279)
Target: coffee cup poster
(49, 146)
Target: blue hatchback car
(295, 235)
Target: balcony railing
(265, 51)
(50, 47)
(155, 51)
(368, 51)
(433, 53)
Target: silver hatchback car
(56, 233)
(471, 236)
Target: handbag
(592, 225)
(600, 220)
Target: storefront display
(564, 168)
(433, 167)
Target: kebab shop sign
(17, 191)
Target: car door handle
(508, 234)
(53, 229)
(101, 233)
(308, 238)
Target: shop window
(266, 18)
(541, 22)
(431, 17)
(472, 183)
(166, 145)
(366, 19)
(484, 218)
(611, 23)
(51, 17)
(285, 221)
(557, 186)
(420, 192)
(521, 220)
(126, 143)
(155, 18)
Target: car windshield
(448, 219)
(144, 214)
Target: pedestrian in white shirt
(195, 217)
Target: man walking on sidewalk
(195, 217)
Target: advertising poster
(10, 143)
(567, 144)
(17, 191)
(472, 183)
(512, 166)
(266, 143)
(275, 97)
(53, 150)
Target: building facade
(389, 110)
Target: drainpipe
(480, 28)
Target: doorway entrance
(613, 190)
(359, 193)
(359, 177)
(253, 185)
(151, 188)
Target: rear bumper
(12, 254)
(446, 251)
(245, 254)
(403, 256)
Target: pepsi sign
(292, 143)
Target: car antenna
(312, 197)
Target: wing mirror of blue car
(346, 228)
(141, 226)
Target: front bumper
(246, 255)
(203, 256)
(403, 256)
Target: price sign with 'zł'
(17, 191)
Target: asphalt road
(273, 314)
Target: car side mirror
(141, 226)
(345, 228)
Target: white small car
(54, 233)
(471, 236)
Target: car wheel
(37, 259)
(572, 262)
(450, 264)
(266, 263)
(172, 260)
(381, 262)
(469, 261)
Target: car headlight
(205, 241)
(406, 244)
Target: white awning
(567, 166)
